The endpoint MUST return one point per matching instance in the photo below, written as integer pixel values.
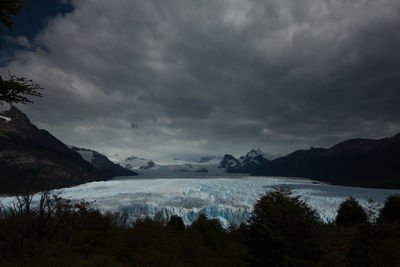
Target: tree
(16, 89)
(175, 223)
(211, 231)
(391, 209)
(350, 212)
(284, 230)
(8, 10)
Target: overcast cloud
(167, 78)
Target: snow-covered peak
(228, 161)
(255, 153)
(245, 164)
(134, 162)
(6, 119)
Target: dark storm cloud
(209, 77)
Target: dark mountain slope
(33, 159)
(356, 162)
(106, 167)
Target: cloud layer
(209, 77)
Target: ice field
(229, 199)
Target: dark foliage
(8, 10)
(391, 209)
(350, 212)
(374, 246)
(283, 231)
(211, 231)
(16, 89)
(175, 223)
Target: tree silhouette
(8, 10)
(15, 89)
(283, 229)
(350, 212)
(175, 223)
(211, 231)
(391, 209)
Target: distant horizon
(192, 157)
(181, 159)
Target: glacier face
(229, 199)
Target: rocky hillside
(32, 159)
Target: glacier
(229, 199)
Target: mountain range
(254, 159)
(32, 159)
(355, 162)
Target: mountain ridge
(32, 159)
(355, 162)
(106, 167)
(244, 164)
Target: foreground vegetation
(282, 231)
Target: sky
(185, 78)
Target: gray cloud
(209, 77)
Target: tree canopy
(391, 209)
(16, 89)
(8, 10)
(351, 212)
(284, 229)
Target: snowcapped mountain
(135, 163)
(175, 167)
(245, 164)
(228, 161)
(106, 167)
(201, 164)
(254, 153)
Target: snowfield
(6, 119)
(228, 199)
